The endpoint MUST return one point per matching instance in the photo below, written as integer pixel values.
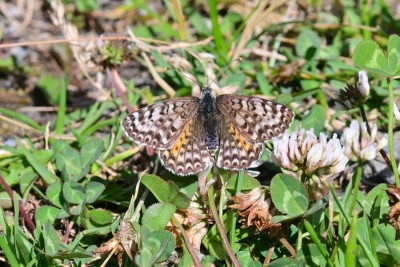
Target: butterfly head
(206, 91)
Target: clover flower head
(255, 208)
(303, 154)
(358, 144)
(355, 94)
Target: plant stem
(390, 132)
(189, 246)
(29, 223)
(383, 153)
(218, 221)
(239, 183)
(357, 182)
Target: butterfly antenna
(184, 75)
(224, 69)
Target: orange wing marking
(181, 141)
(241, 142)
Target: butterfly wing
(256, 119)
(161, 124)
(189, 154)
(235, 153)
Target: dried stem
(269, 254)
(189, 246)
(168, 89)
(286, 244)
(120, 88)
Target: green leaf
(52, 241)
(315, 119)
(25, 247)
(197, 22)
(187, 184)
(91, 151)
(284, 99)
(157, 186)
(394, 54)
(265, 86)
(68, 159)
(26, 182)
(310, 255)
(42, 170)
(288, 262)
(369, 56)
(62, 106)
(245, 258)
(93, 191)
(289, 195)
(47, 213)
(283, 218)
(5, 200)
(73, 255)
(15, 172)
(22, 118)
(307, 44)
(158, 215)
(155, 247)
(351, 244)
(177, 198)
(387, 247)
(376, 203)
(53, 193)
(43, 156)
(86, 5)
(8, 252)
(76, 210)
(73, 192)
(100, 217)
(249, 183)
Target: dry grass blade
(259, 15)
(164, 85)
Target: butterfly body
(209, 114)
(189, 131)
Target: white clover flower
(363, 85)
(302, 154)
(358, 144)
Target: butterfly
(192, 133)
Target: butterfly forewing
(161, 124)
(256, 119)
(189, 154)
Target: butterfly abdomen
(208, 113)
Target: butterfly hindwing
(257, 119)
(235, 153)
(161, 124)
(189, 154)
